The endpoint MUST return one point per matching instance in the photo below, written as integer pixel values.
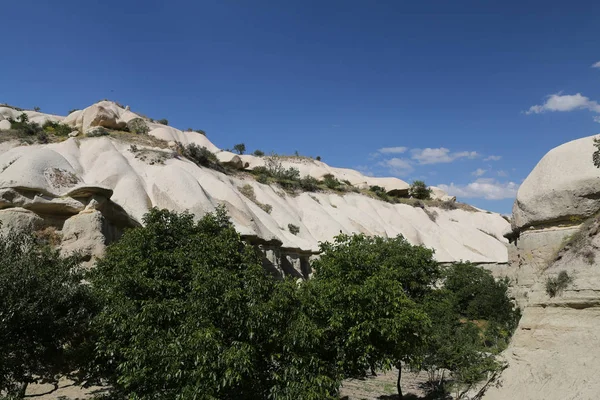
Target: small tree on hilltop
(419, 190)
(240, 148)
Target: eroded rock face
(565, 184)
(555, 352)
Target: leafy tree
(240, 148)
(189, 312)
(37, 109)
(258, 153)
(419, 190)
(472, 320)
(45, 312)
(163, 121)
(364, 295)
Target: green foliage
(37, 109)
(138, 125)
(56, 128)
(473, 319)
(309, 184)
(258, 153)
(318, 158)
(364, 295)
(240, 148)
(555, 285)
(331, 182)
(419, 190)
(248, 191)
(163, 121)
(199, 155)
(200, 131)
(294, 229)
(188, 310)
(596, 153)
(287, 178)
(23, 126)
(44, 314)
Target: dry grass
(248, 191)
(49, 236)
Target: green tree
(189, 312)
(364, 295)
(45, 313)
(419, 190)
(472, 320)
(240, 148)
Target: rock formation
(91, 188)
(555, 352)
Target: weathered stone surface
(564, 185)
(4, 125)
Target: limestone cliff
(555, 352)
(90, 188)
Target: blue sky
(441, 91)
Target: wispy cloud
(439, 155)
(393, 150)
(596, 65)
(492, 158)
(502, 173)
(564, 103)
(397, 166)
(479, 172)
(486, 188)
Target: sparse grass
(248, 191)
(580, 242)
(49, 236)
(432, 214)
(555, 285)
(294, 229)
(150, 156)
(142, 140)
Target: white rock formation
(555, 352)
(66, 176)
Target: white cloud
(486, 188)
(492, 158)
(596, 65)
(597, 119)
(567, 102)
(502, 173)
(397, 166)
(439, 155)
(479, 172)
(393, 150)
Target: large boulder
(563, 187)
(4, 125)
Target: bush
(138, 125)
(163, 121)
(240, 148)
(555, 285)
(419, 190)
(37, 109)
(73, 110)
(42, 138)
(318, 158)
(23, 126)
(258, 153)
(199, 155)
(46, 313)
(57, 128)
(294, 229)
(309, 184)
(331, 182)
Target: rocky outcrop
(99, 182)
(555, 352)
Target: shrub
(200, 131)
(199, 155)
(23, 126)
(57, 128)
(37, 109)
(555, 285)
(73, 110)
(419, 190)
(294, 229)
(163, 121)
(258, 153)
(138, 125)
(331, 181)
(318, 158)
(240, 148)
(309, 184)
(262, 178)
(96, 131)
(42, 138)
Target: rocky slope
(555, 353)
(90, 188)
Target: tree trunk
(399, 366)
